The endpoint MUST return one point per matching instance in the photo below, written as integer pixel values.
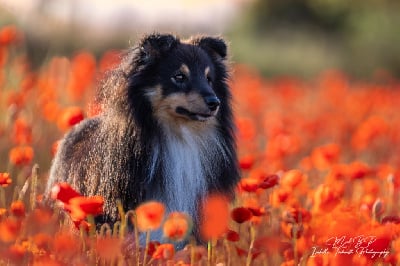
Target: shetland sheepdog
(165, 132)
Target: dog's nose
(212, 102)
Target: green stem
(116, 229)
(228, 252)
(391, 195)
(92, 235)
(123, 219)
(82, 235)
(2, 197)
(209, 253)
(92, 227)
(252, 238)
(150, 261)
(295, 231)
(147, 247)
(192, 250)
(132, 214)
(34, 178)
(105, 230)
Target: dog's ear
(154, 45)
(212, 45)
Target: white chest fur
(186, 160)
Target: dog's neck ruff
(187, 161)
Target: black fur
(110, 155)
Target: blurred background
(277, 37)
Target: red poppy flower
(292, 178)
(22, 132)
(16, 253)
(257, 212)
(177, 226)
(3, 213)
(391, 219)
(109, 60)
(81, 224)
(51, 111)
(8, 35)
(325, 198)
(64, 192)
(246, 162)
(150, 215)
(21, 155)
(281, 195)
(241, 252)
(246, 129)
(358, 170)
(164, 251)
(324, 156)
(18, 208)
(232, 236)
(81, 206)
(383, 234)
(368, 131)
(70, 117)
(215, 217)
(152, 247)
(241, 214)
(253, 205)
(83, 67)
(296, 215)
(269, 181)
(54, 147)
(248, 184)
(5, 179)
(10, 229)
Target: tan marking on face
(154, 95)
(207, 71)
(165, 110)
(185, 70)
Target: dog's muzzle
(193, 115)
(212, 102)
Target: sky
(100, 16)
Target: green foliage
(304, 37)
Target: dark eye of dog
(179, 78)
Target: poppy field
(320, 162)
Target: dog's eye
(179, 78)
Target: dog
(165, 132)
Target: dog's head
(184, 81)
